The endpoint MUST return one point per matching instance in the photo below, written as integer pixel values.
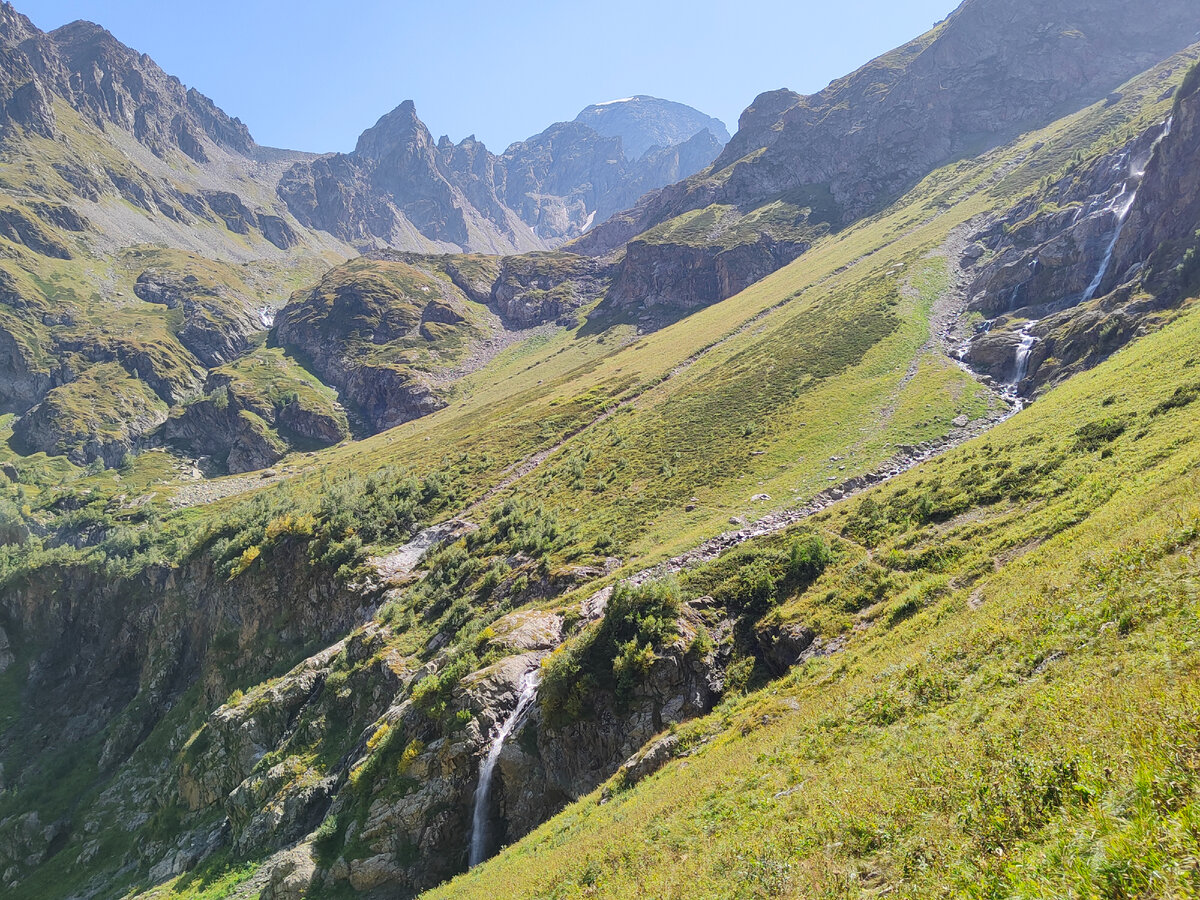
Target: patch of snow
(615, 102)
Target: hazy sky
(313, 75)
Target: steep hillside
(799, 165)
(782, 552)
(1012, 708)
(299, 686)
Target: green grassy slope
(1015, 713)
(756, 394)
(949, 589)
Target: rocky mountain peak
(399, 128)
(110, 84)
(538, 194)
(14, 27)
(643, 123)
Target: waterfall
(1122, 214)
(1123, 210)
(1023, 351)
(479, 835)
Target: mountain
(643, 123)
(123, 152)
(461, 575)
(802, 165)
(148, 242)
(400, 190)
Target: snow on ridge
(615, 102)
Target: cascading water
(1023, 351)
(479, 819)
(1122, 205)
(1122, 210)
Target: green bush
(433, 694)
(1094, 435)
(615, 654)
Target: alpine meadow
(639, 511)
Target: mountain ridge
(839, 154)
(557, 183)
(864, 565)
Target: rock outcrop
(255, 411)
(538, 288)
(106, 659)
(217, 323)
(658, 281)
(976, 80)
(399, 189)
(368, 329)
(1089, 263)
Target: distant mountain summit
(802, 166)
(399, 189)
(643, 123)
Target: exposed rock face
(1094, 259)
(645, 123)
(254, 411)
(1165, 215)
(108, 83)
(400, 190)
(204, 157)
(107, 658)
(363, 328)
(546, 287)
(397, 189)
(25, 229)
(413, 838)
(978, 79)
(660, 281)
(568, 177)
(239, 439)
(101, 416)
(23, 380)
(216, 326)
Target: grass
(1017, 714)
(975, 594)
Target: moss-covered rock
(380, 330)
(255, 410)
(102, 416)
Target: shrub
(1183, 396)
(433, 693)
(1095, 434)
(614, 654)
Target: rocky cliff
(399, 189)
(1096, 257)
(975, 81)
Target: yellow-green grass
(924, 671)
(532, 398)
(1018, 715)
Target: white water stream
(1122, 206)
(479, 819)
(1023, 351)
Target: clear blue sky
(312, 75)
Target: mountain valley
(641, 511)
